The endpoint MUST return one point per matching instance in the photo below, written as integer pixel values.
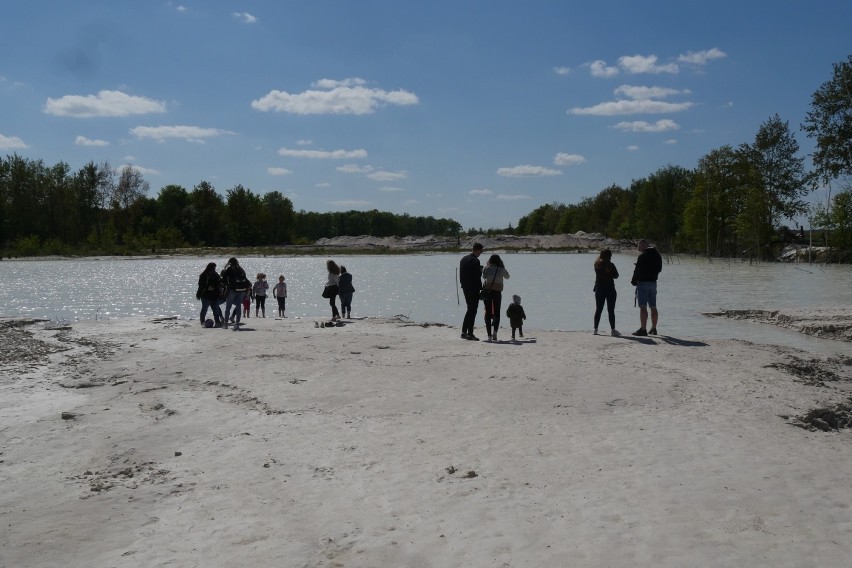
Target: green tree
(277, 224)
(714, 203)
(778, 182)
(830, 123)
(244, 208)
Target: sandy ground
(386, 443)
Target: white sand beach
(131, 443)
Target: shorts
(646, 294)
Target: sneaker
(615, 333)
(595, 332)
(494, 337)
(521, 333)
(471, 337)
(652, 331)
(640, 331)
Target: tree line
(735, 201)
(100, 210)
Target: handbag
(329, 291)
(485, 293)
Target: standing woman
(331, 289)
(238, 285)
(346, 289)
(208, 293)
(493, 274)
(605, 275)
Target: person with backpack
(238, 284)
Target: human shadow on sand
(665, 339)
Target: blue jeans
(646, 294)
(212, 304)
(235, 298)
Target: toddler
(246, 304)
(516, 315)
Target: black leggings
(333, 302)
(492, 311)
(260, 302)
(609, 297)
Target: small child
(516, 315)
(259, 290)
(246, 304)
(280, 294)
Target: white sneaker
(615, 333)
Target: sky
(479, 111)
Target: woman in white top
(493, 275)
(331, 290)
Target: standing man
(648, 267)
(470, 278)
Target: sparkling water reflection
(556, 290)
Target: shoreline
(384, 442)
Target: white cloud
(599, 69)
(633, 148)
(354, 169)
(612, 108)
(390, 189)
(188, 133)
(642, 93)
(349, 203)
(635, 64)
(11, 143)
(701, 57)
(303, 142)
(245, 17)
(322, 184)
(336, 97)
(563, 159)
(512, 197)
(334, 83)
(670, 141)
(140, 169)
(562, 70)
(480, 192)
(105, 103)
(642, 126)
(323, 154)
(527, 171)
(382, 175)
(278, 171)
(83, 141)
(411, 202)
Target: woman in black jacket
(208, 293)
(605, 275)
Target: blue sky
(476, 110)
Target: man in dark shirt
(648, 267)
(470, 278)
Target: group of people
(485, 284)
(339, 283)
(231, 286)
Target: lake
(556, 289)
